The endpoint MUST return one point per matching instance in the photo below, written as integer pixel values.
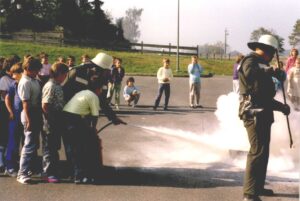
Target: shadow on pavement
(148, 110)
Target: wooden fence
(40, 37)
(58, 38)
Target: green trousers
(258, 130)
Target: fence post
(62, 39)
(214, 55)
(229, 56)
(142, 47)
(198, 51)
(206, 55)
(34, 36)
(169, 49)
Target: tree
(294, 38)
(255, 35)
(131, 24)
(68, 16)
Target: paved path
(151, 160)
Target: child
(5, 82)
(235, 77)
(70, 61)
(45, 71)
(61, 59)
(29, 91)
(131, 92)
(14, 107)
(52, 105)
(117, 76)
(85, 59)
(195, 70)
(293, 89)
(164, 76)
(81, 115)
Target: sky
(205, 21)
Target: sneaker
(52, 179)
(133, 105)
(11, 173)
(117, 107)
(166, 109)
(24, 180)
(154, 108)
(199, 106)
(83, 180)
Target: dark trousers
(84, 143)
(163, 88)
(4, 119)
(53, 129)
(258, 130)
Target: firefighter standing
(257, 92)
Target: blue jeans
(30, 146)
(163, 88)
(14, 139)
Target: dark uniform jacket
(255, 80)
(77, 80)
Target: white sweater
(163, 73)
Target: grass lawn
(133, 62)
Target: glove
(285, 109)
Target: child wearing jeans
(131, 92)
(29, 91)
(14, 107)
(118, 73)
(52, 105)
(164, 76)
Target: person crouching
(131, 92)
(81, 116)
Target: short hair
(85, 56)
(61, 59)
(57, 69)
(95, 83)
(44, 55)
(70, 57)
(239, 58)
(166, 60)
(31, 64)
(16, 68)
(9, 62)
(118, 59)
(130, 79)
(194, 57)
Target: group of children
(34, 103)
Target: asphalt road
(154, 159)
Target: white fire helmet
(264, 41)
(103, 60)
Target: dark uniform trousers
(257, 160)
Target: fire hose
(284, 99)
